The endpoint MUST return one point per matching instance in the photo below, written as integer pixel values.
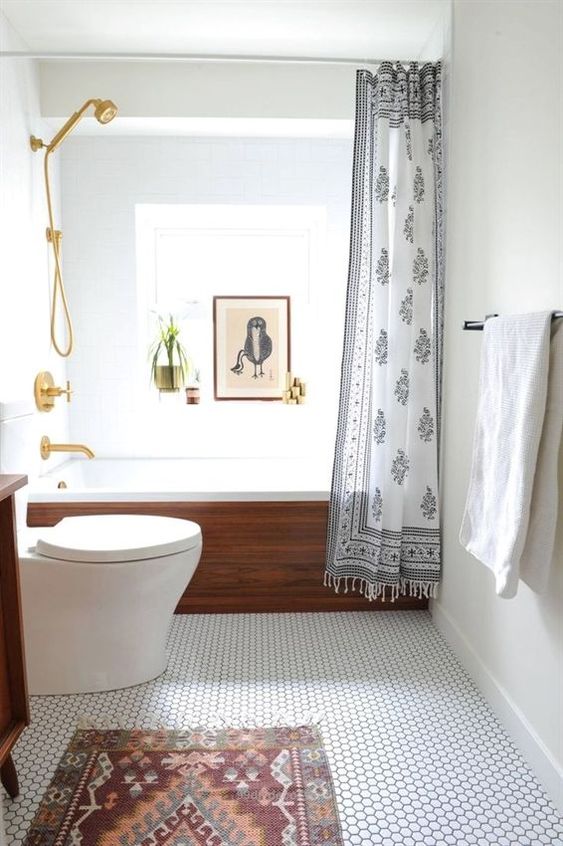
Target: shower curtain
(384, 531)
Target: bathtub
(183, 480)
(263, 524)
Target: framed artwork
(251, 347)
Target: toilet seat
(111, 538)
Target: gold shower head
(104, 111)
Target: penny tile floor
(417, 755)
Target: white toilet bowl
(98, 595)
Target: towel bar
(477, 325)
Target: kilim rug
(199, 787)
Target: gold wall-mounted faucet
(46, 391)
(47, 448)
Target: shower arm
(105, 110)
(54, 236)
(38, 143)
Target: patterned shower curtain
(384, 530)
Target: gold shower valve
(46, 391)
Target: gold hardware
(46, 448)
(295, 390)
(104, 111)
(46, 391)
(55, 236)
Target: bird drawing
(257, 347)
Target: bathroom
(229, 171)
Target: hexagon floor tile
(418, 758)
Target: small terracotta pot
(192, 396)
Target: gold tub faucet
(47, 448)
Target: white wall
(504, 242)
(204, 90)
(24, 321)
(102, 181)
(25, 347)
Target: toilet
(98, 592)
(98, 595)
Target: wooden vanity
(14, 707)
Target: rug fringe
(379, 590)
(155, 722)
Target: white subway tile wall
(25, 271)
(103, 179)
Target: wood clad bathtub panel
(257, 556)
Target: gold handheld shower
(104, 111)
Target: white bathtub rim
(115, 495)
(183, 480)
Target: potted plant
(171, 376)
(192, 391)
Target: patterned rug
(200, 787)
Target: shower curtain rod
(194, 57)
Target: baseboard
(538, 756)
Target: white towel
(511, 422)
(538, 550)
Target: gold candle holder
(295, 390)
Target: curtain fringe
(378, 590)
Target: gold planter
(168, 379)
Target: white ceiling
(317, 28)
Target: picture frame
(251, 347)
